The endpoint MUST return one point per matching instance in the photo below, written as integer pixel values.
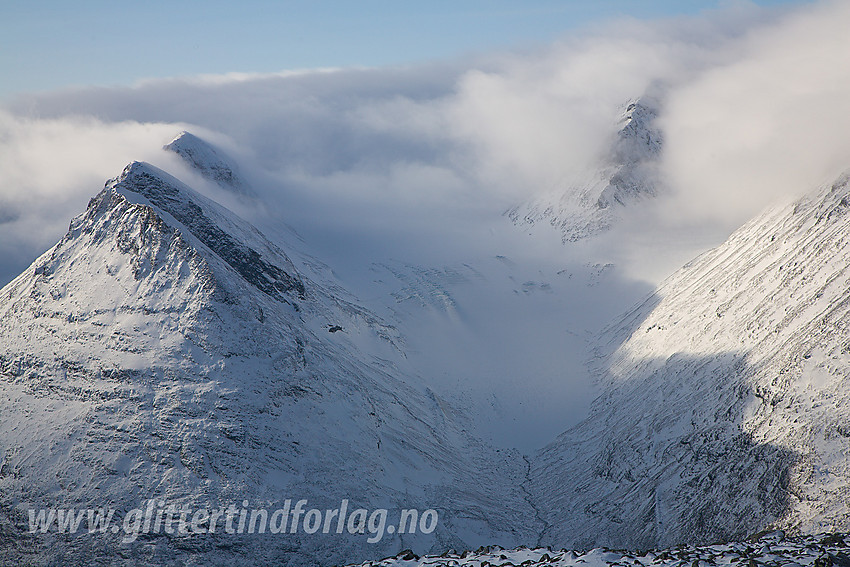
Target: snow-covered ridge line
(772, 549)
(179, 201)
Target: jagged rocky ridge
(164, 348)
(726, 408)
(624, 174)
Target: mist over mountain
(625, 173)
(210, 162)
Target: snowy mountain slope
(164, 348)
(625, 174)
(727, 402)
(211, 162)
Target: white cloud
(769, 124)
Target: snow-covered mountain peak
(638, 138)
(624, 173)
(636, 148)
(208, 160)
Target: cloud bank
(768, 123)
(753, 109)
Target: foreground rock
(771, 549)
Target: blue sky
(53, 44)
